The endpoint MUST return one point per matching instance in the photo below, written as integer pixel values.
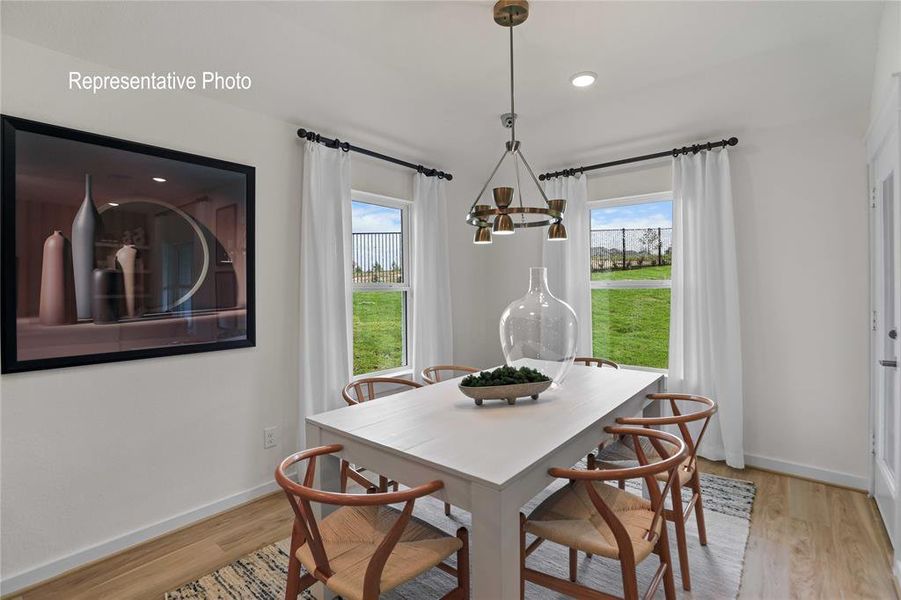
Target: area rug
(715, 569)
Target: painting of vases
(121, 250)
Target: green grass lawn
(653, 272)
(378, 333)
(631, 327)
(628, 326)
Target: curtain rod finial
(733, 141)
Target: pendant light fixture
(507, 216)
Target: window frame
(630, 284)
(406, 287)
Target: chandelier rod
(512, 101)
(490, 177)
(535, 179)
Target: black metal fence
(614, 249)
(378, 257)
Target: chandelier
(506, 216)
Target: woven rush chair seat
(620, 454)
(351, 535)
(568, 517)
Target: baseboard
(54, 568)
(839, 478)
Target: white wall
(92, 454)
(801, 231)
(888, 54)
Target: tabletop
(492, 444)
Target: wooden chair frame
(681, 512)
(306, 529)
(647, 471)
(432, 375)
(598, 362)
(363, 390)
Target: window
(380, 283)
(631, 260)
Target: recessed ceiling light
(583, 79)
(159, 180)
(113, 203)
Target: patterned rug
(715, 568)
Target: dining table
(491, 458)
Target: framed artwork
(115, 250)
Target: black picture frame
(9, 362)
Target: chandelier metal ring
(478, 217)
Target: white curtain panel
(568, 261)
(325, 290)
(705, 336)
(431, 340)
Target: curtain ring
(346, 147)
(709, 147)
(419, 169)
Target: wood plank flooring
(808, 540)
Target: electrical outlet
(270, 437)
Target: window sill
(400, 372)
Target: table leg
(495, 545)
(328, 478)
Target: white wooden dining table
(492, 458)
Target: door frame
(884, 129)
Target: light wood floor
(808, 540)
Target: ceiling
(428, 80)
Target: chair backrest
(589, 361)
(301, 495)
(706, 410)
(441, 372)
(366, 388)
(672, 451)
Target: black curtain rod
(312, 136)
(624, 161)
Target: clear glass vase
(539, 330)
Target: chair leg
(573, 563)
(699, 508)
(383, 484)
(681, 540)
(344, 466)
(447, 509)
(622, 484)
(630, 580)
(463, 563)
(292, 586)
(662, 550)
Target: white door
(886, 298)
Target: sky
(374, 218)
(634, 216)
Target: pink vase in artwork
(57, 303)
(125, 256)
